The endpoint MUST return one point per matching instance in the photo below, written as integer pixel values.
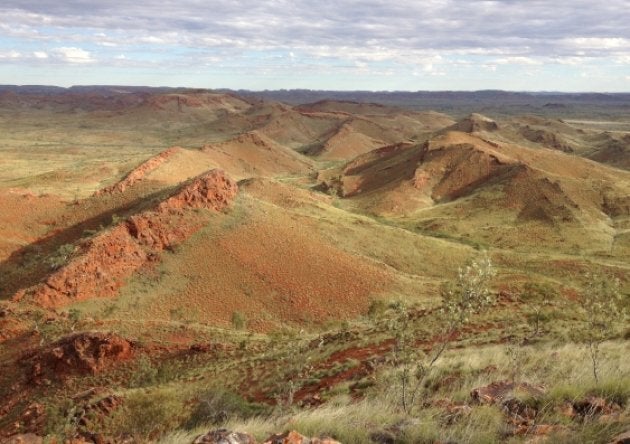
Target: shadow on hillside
(30, 264)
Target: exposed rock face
(594, 405)
(224, 436)
(102, 263)
(453, 171)
(623, 438)
(615, 205)
(78, 354)
(139, 172)
(91, 412)
(499, 391)
(98, 270)
(214, 190)
(540, 199)
(27, 438)
(475, 123)
(294, 437)
(547, 139)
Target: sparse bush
(145, 373)
(216, 406)
(146, 415)
(516, 354)
(239, 320)
(538, 298)
(74, 316)
(469, 294)
(60, 257)
(377, 308)
(602, 306)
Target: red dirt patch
(273, 269)
(310, 394)
(254, 154)
(24, 218)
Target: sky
(519, 45)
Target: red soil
(365, 355)
(254, 154)
(347, 143)
(272, 269)
(24, 218)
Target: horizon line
(312, 90)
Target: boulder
(26, 438)
(623, 438)
(496, 392)
(293, 437)
(78, 354)
(595, 405)
(224, 436)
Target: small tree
(602, 305)
(74, 316)
(239, 320)
(467, 295)
(538, 298)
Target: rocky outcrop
(89, 415)
(593, 406)
(213, 190)
(224, 436)
(475, 123)
(499, 391)
(293, 437)
(25, 438)
(139, 173)
(101, 264)
(623, 438)
(78, 354)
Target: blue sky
(342, 45)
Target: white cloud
(12, 54)
(73, 55)
(152, 39)
(40, 55)
(569, 60)
(599, 42)
(517, 60)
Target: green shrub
(215, 406)
(146, 415)
(145, 373)
(239, 320)
(60, 257)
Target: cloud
(517, 60)
(367, 36)
(513, 28)
(73, 55)
(12, 54)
